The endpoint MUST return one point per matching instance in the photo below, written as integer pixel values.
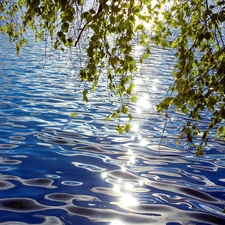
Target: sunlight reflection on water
(117, 222)
(61, 170)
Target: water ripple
(56, 169)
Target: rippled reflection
(135, 127)
(61, 170)
(128, 200)
(143, 142)
(117, 222)
(143, 102)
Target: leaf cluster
(193, 29)
(199, 73)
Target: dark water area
(56, 169)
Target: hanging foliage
(194, 29)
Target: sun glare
(116, 188)
(116, 222)
(128, 200)
(104, 175)
(144, 142)
(135, 127)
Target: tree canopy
(194, 29)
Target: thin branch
(79, 36)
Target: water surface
(55, 169)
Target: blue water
(55, 169)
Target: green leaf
(130, 89)
(127, 127)
(124, 109)
(133, 98)
(80, 2)
(64, 28)
(130, 117)
(115, 115)
(207, 35)
(73, 115)
(60, 34)
(119, 129)
(185, 109)
(107, 118)
(173, 44)
(85, 98)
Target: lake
(56, 169)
